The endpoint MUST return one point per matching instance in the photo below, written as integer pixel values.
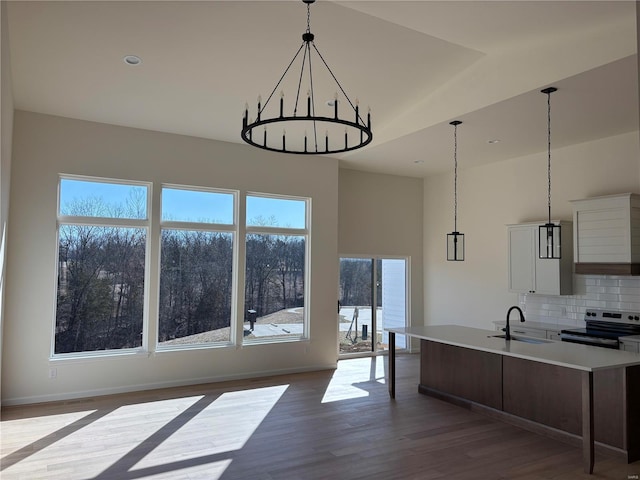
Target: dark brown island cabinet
(594, 406)
(549, 395)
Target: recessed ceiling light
(491, 142)
(418, 162)
(132, 60)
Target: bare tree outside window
(101, 270)
(196, 267)
(276, 256)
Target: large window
(275, 277)
(113, 272)
(196, 267)
(102, 237)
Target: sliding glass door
(372, 297)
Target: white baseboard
(157, 385)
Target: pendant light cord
(549, 153)
(455, 178)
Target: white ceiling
(417, 64)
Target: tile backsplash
(590, 291)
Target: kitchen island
(559, 388)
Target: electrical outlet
(53, 373)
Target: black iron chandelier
(310, 131)
(549, 233)
(455, 239)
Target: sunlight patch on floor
(207, 471)
(354, 377)
(98, 444)
(178, 438)
(223, 426)
(17, 434)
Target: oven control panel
(612, 316)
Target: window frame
(153, 226)
(201, 227)
(284, 231)
(107, 222)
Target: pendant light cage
(455, 239)
(306, 130)
(549, 234)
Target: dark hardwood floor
(320, 425)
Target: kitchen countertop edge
(563, 354)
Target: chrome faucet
(507, 330)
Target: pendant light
(455, 239)
(549, 233)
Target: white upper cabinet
(607, 234)
(530, 274)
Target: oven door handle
(588, 340)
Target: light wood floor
(323, 425)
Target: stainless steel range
(604, 328)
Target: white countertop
(563, 354)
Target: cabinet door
(521, 261)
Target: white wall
(45, 146)
(6, 132)
(474, 292)
(382, 215)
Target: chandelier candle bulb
(369, 118)
(284, 132)
(326, 140)
(281, 104)
(265, 136)
(259, 102)
(305, 142)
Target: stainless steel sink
(523, 339)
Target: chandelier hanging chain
(304, 59)
(260, 110)
(336, 80)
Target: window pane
(195, 287)
(100, 288)
(275, 212)
(274, 286)
(100, 199)
(355, 305)
(196, 206)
